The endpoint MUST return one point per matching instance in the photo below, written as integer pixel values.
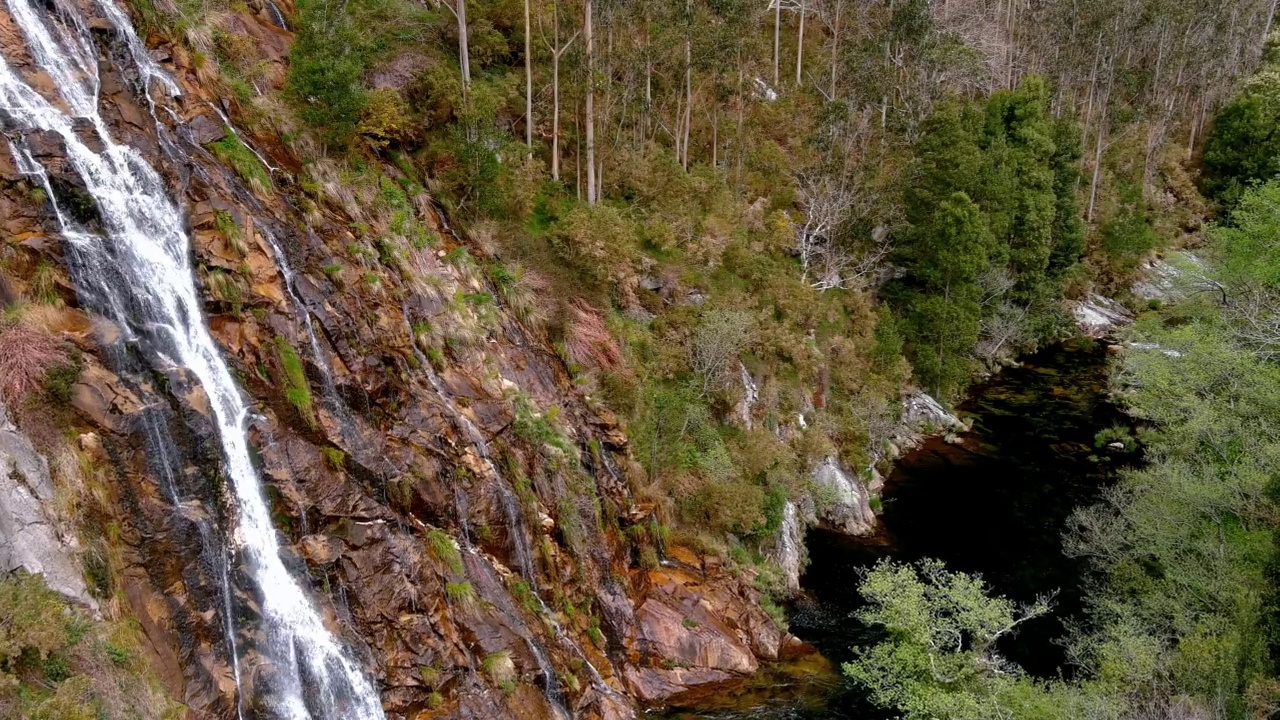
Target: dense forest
(748, 230)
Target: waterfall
(137, 270)
(277, 17)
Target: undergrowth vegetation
(57, 663)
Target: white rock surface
(1099, 316)
(789, 548)
(1169, 280)
(28, 535)
(920, 412)
(750, 396)
(850, 512)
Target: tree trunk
(688, 83)
(835, 48)
(715, 135)
(1097, 165)
(777, 39)
(800, 46)
(737, 143)
(555, 92)
(528, 81)
(591, 104)
(1271, 18)
(464, 54)
(648, 80)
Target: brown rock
(655, 684)
(691, 638)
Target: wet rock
(100, 397)
(654, 684)
(696, 625)
(674, 634)
(206, 128)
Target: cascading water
(137, 271)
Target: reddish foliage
(26, 354)
(589, 341)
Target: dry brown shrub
(588, 340)
(26, 355)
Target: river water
(996, 503)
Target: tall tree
(557, 54)
(528, 81)
(590, 115)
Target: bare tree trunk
(648, 80)
(577, 155)
(1093, 87)
(737, 143)
(1097, 165)
(555, 93)
(777, 39)
(835, 47)
(1010, 27)
(464, 54)
(528, 80)
(715, 135)
(591, 102)
(800, 46)
(1271, 18)
(688, 83)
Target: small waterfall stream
(554, 695)
(139, 273)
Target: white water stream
(139, 270)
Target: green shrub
(442, 547)
(58, 664)
(296, 388)
(231, 231)
(461, 595)
(1243, 147)
(60, 379)
(235, 154)
(333, 457)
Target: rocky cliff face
(455, 505)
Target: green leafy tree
(1018, 194)
(948, 252)
(1244, 145)
(939, 659)
(1068, 226)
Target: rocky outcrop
(750, 396)
(842, 502)
(30, 539)
(1171, 278)
(789, 550)
(1097, 316)
(695, 624)
(923, 417)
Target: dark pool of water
(996, 504)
